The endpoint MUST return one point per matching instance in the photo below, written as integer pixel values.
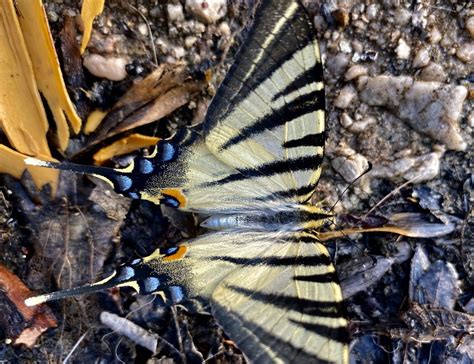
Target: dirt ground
(408, 299)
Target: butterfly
(250, 171)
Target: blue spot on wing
(124, 182)
(168, 151)
(145, 166)
(176, 293)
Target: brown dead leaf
(21, 323)
(71, 62)
(159, 94)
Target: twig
(391, 193)
(131, 330)
(75, 347)
(152, 41)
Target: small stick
(127, 328)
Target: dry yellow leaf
(35, 29)
(124, 146)
(90, 9)
(12, 162)
(93, 121)
(22, 115)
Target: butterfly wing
(267, 120)
(276, 295)
(263, 134)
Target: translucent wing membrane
(266, 278)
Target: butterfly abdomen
(277, 218)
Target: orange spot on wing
(177, 194)
(178, 255)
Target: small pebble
(111, 68)
(402, 16)
(433, 72)
(470, 26)
(175, 12)
(224, 29)
(355, 71)
(345, 120)
(470, 119)
(434, 36)
(189, 41)
(350, 167)
(142, 29)
(422, 58)
(466, 53)
(178, 52)
(371, 11)
(360, 126)
(337, 64)
(403, 49)
(207, 11)
(345, 97)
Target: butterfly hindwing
(275, 294)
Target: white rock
(142, 29)
(178, 52)
(207, 11)
(403, 49)
(466, 53)
(361, 125)
(434, 36)
(402, 16)
(355, 71)
(433, 72)
(470, 119)
(350, 167)
(345, 97)
(189, 41)
(337, 64)
(224, 29)
(422, 58)
(175, 12)
(431, 108)
(112, 68)
(423, 168)
(470, 26)
(345, 120)
(371, 11)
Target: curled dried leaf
(159, 94)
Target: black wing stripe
(312, 74)
(311, 162)
(315, 260)
(289, 193)
(300, 106)
(298, 304)
(309, 140)
(318, 278)
(339, 334)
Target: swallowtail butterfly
(250, 170)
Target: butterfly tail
(136, 275)
(123, 181)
